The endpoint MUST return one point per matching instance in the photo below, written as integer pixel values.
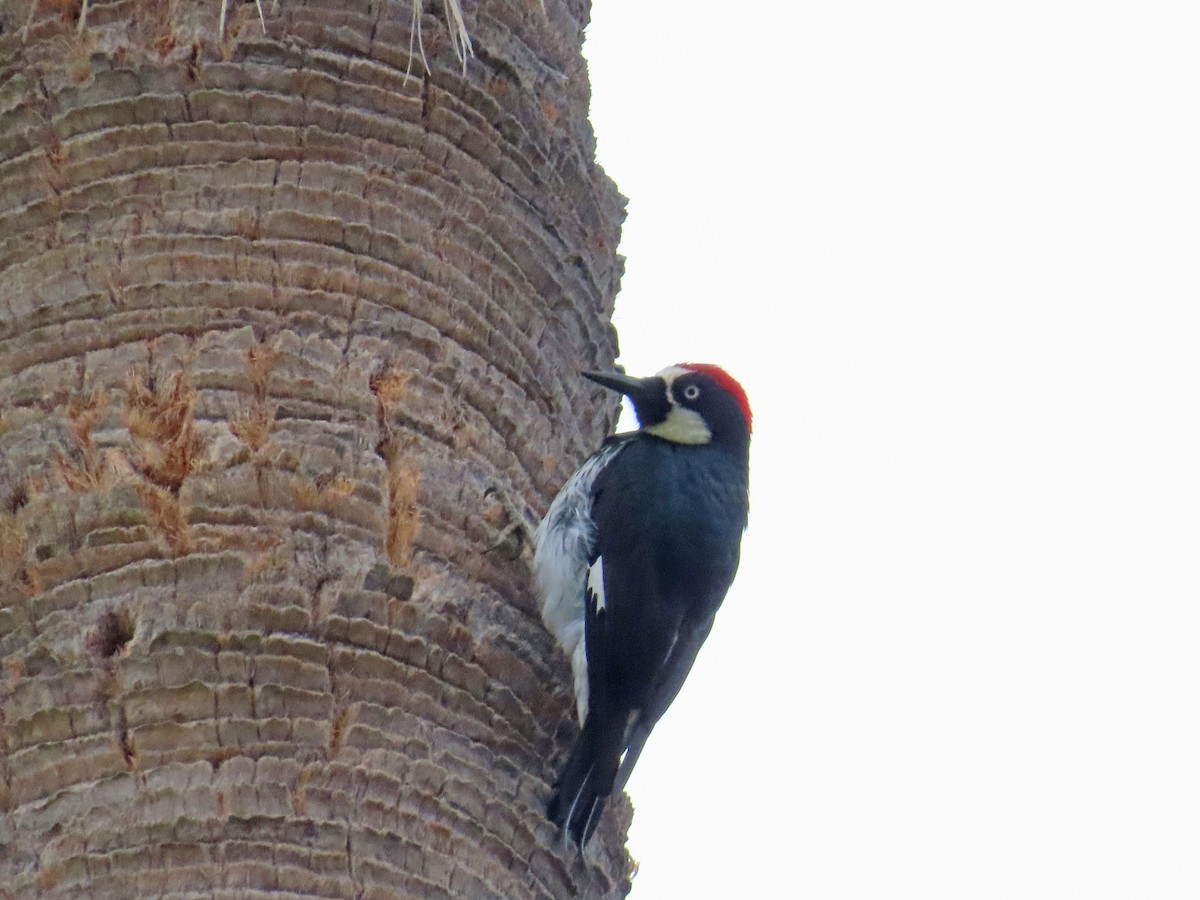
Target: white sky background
(952, 250)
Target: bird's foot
(517, 534)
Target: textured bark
(272, 318)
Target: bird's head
(690, 403)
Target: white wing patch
(595, 584)
(564, 544)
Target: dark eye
(691, 392)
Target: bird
(632, 561)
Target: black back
(669, 519)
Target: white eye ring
(691, 392)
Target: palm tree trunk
(273, 316)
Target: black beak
(648, 395)
(634, 388)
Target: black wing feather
(669, 548)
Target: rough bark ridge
(272, 318)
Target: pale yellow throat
(683, 426)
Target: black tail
(587, 778)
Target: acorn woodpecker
(632, 561)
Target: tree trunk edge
(274, 312)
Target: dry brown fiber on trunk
(273, 316)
